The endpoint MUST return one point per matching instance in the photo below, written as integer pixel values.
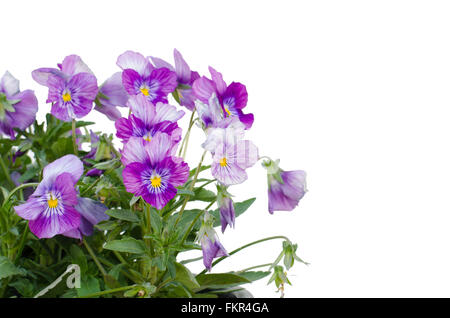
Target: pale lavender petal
(9, 84)
(134, 151)
(110, 111)
(246, 154)
(69, 163)
(113, 89)
(135, 61)
(25, 110)
(167, 112)
(181, 68)
(31, 209)
(73, 64)
(203, 88)
(161, 63)
(41, 75)
(220, 84)
(143, 109)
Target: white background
(354, 92)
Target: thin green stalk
(6, 172)
(91, 252)
(109, 291)
(74, 137)
(254, 267)
(195, 221)
(21, 244)
(180, 214)
(191, 260)
(245, 246)
(93, 184)
(22, 186)
(191, 121)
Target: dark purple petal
(84, 90)
(131, 81)
(124, 129)
(162, 82)
(132, 178)
(236, 94)
(50, 224)
(179, 172)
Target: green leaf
(7, 268)
(110, 164)
(122, 214)
(127, 245)
(185, 277)
(79, 258)
(89, 285)
(202, 168)
(239, 208)
(254, 276)
(185, 192)
(220, 280)
(205, 195)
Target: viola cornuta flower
(286, 188)
(211, 247)
(151, 171)
(111, 95)
(72, 88)
(140, 77)
(147, 119)
(232, 98)
(54, 207)
(17, 109)
(185, 78)
(51, 207)
(226, 207)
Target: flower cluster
(146, 181)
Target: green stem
(191, 121)
(22, 186)
(109, 291)
(21, 244)
(195, 221)
(245, 246)
(254, 267)
(180, 214)
(191, 260)
(93, 184)
(91, 252)
(6, 171)
(74, 137)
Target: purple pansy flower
(231, 154)
(72, 88)
(232, 98)
(54, 207)
(17, 109)
(111, 94)
(211, 247)
(140, 77)
(147, 119)
(185, 78)
(151, 171)
(286, 188)
(227, 215)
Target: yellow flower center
(52, 202)
(223, 162)
(156, 181)
(144, 90)
(66, 97)
(227, 111)
(147, 137)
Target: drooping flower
(147, 119)
(17, 109)
(232, 98)
(285, 188)
(226, 207)
(51, 207)
(151, 171)
(91, 212)
(211, 247)
(55, 207)
(72, 88)
(140, 77)
(231, 154)
(111, 95)
(185, 78)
